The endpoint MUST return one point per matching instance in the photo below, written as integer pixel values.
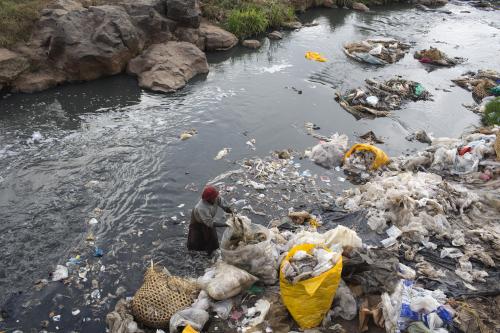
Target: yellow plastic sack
(381, 157)
(189, 329)
(308, 301)
(315, 56)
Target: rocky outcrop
(216, 38)
(11, 66)
(360, 7)
(169, 66)
(251, 43)
(89, 43)
(186, 12)
(75, 41)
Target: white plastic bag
(261, 259)
(225, 281)
(330, 154)
(60, 273)
(196, 318)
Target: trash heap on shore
(415, 248)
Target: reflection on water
(109, 145)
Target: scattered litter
(221, 154)
(434, 56)
(93, 221)
(315, 56)
(381, 51)
(56, 318)
(479, 83)
(75, 312)
(60, 273)
(251, 144)
(390, 94)
(98, 252)
(188, 134)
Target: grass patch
(492, 112)
(247, 18)
(17, 18)
(247, 22)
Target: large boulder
(167, 67)
(11, 66)
(89, 43)
(186, 12)
(216, 38)
(190, 35)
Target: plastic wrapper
(196, 318)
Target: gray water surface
(108, 144)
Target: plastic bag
(309, 300)
(260, 259)
(60, 273)
(380, 156)
(223, 308)
(225, 281)
(330, 154)
(195, 318)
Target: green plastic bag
(419, 90)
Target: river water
(109, 145)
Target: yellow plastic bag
(308, 301)
(381, 157)
(315, 56)
(189, 329)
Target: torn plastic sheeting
(223, 308)
(340, 235)
(196, 318)
(344, 303)
(256, 314)
(60, 273)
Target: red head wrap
(210, 193)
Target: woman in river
(202, 235)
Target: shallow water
(109, 145)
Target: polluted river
(102, 163)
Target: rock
(66, 5)
(186, 12)
(89, 43)
(147, 15)
(360, 6)
(251, 43)
(168, 66)
(190, 35)
(303, 5)
(291, 25)
(11, 66)
(216, 38)
(329, 4)
(432, 3)
(275, 35)
(37, 81)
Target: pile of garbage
(381, 51)
(427, 245)
(436, 57)
(378, 98)
(484, 83)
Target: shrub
(278, 13)
(17, 18)
(247, 22)
(492, 112)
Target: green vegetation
(247, 18)
(247, 22)
(17, 18)
(492, 112)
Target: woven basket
(161, 296)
